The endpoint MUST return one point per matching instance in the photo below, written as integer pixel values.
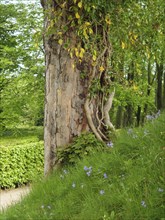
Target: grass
(127, 182)
(20, 136)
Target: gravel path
(9, 197)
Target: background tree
(21, 65)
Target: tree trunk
(138, 116)
(119, 117)
(159, 92)
(78, 96)
(164, 90)
(64, 102)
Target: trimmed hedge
(20, 164)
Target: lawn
(126, 181)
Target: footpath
(9, 197)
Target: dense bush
(20, 164)
(81, 146)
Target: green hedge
(20, 164)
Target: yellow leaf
(101, 69)
(59, 33)
(94, 52)
(94, 57)
(87, 23)
(80, 4)
(73, 66)
(76, 52)
(71, 54)
(63, 5)
(108, 21)
(60, 41)
(81, 54)
(77, 15)
(85, 34)
(135, 87)
(75, 1)
(90, 31)
(135, 36)
(122, 45)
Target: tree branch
(106, 110)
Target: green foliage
(124, 183)
(20, 164)
(82, 146)
(21, 65)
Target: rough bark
(64, 100)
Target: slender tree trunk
(149, 83)
(119, 117)
(164, 90)
(159, 90)
(138, 116)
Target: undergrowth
(125, 182)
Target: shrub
(81, 146)
(20, 164)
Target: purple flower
(105, 175)
(65, 171)
(134, 136)
(86, 168)
(102, 192)
(88, 173)
(110, 144)
(143, 204)
(130, 131)
(146, 132)
(149, 117)
(160, 190)
(157, 114)
(89, 169)
(73, 185)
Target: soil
(9, 197)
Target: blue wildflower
(130, 131)
(86, 168)
(110, 144)
(157, 114)
(73, 185)
(160, 190)
(89, 169)
(105, 175)
(88, 173)
(102, 192)
(146, 132)
(134, 136)
(143, 203)
(65, 171)
(149, 117)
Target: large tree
(81, 73)
(79, 90)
